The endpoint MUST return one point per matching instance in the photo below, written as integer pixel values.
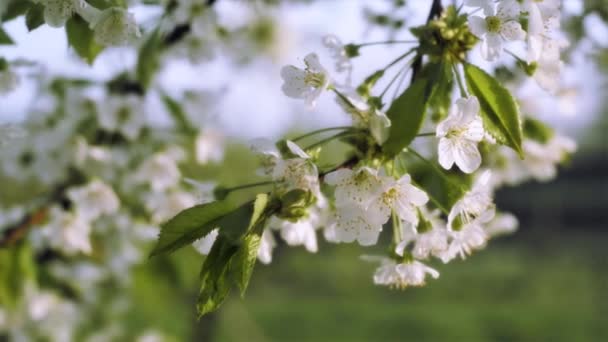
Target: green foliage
(80, 37)
(17, 268)
(190, 225)
(408, 111)
(5, 39)
(443, 187)
(16, 8)
(34, 17)
(149, 59)
(499, 110)
(231, 262)
(537, 130)
(175, 109)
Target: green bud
(458, 223)
(295, 203)
(351, 50)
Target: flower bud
(115, 26)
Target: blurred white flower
(464, 241)
(401, 275)
(267, 244)
(476, 206)
(209, 146)
(164, 206)
(124, 114)
(114, 27)
(67, 232)
(57, 12)
(503, 223)
(93, 200)
(338, 53)
(496, 27)
(160, 171)
(306, 84)
(459, 134)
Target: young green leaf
(80, 37)
(191, 225)
(15, 8)
(537, 130)
(5, 39)
(244, 260)
(34, 17)
(499, 110)
(215, 280)
(177, 113)
(148, 60)
(407, 112)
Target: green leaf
(443, 187)
(407, 112)
(191, 225)
(177, 113)
(537, 130)
(215, 284)
(5, 39)
(148, 60)
(15, 8)
(34, 17)
(80, 37)
(499, 110)
(17, 268)
(244, 261)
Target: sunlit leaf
(80, 38)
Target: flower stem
(333, 137)
(427, 134)
(463, 91)
(304, 136)
(386, 42)
(399, 59)
(247, 186)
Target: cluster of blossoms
(113, 178)
(502, 22)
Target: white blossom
(160, 171)
(339, 54)
(543, 17)
(401, 275)
(122, 114)
(204, 244)
(365, 116)
(307, 84)
(299, 233)
(57, 12)
(476, 206)
(549, 66)
(399, 196)
(9, 132)
(163, 206)
(93, 200)
(267, 244)
(464, 241)
(114, 27)
(67, 231)
(541, 159)
(497, 27)
(209, 146)
(459, 134)
(501, 224)
(433, 240)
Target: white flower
(541, 159)
(57, 12)
(354, 188)
(204, 244)
(209, 146)
(40, 305)
(429, 238)
(459, 134)
(267, 244)
(338, 53)
(204, 189)
(543, 16)
(299, 233)
(122, 114)
(351, 223)
(549, 66)
(306, 84)
(399, 196)
(497, 27)
(464, 241)
(503, 223)
(486, 5)
(164, 206)
(476, 206)
(160, 171)
(9, 80)
(115, 26)
(292, 173)
(365, 116)
(67, 232)
(402, 275)
(93, 200)
(9, 132)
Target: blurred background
(546, 282)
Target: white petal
(295, 85)
(478, 26)
(467, 156)
(295, 149)
(512, 30)
(446, 153)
